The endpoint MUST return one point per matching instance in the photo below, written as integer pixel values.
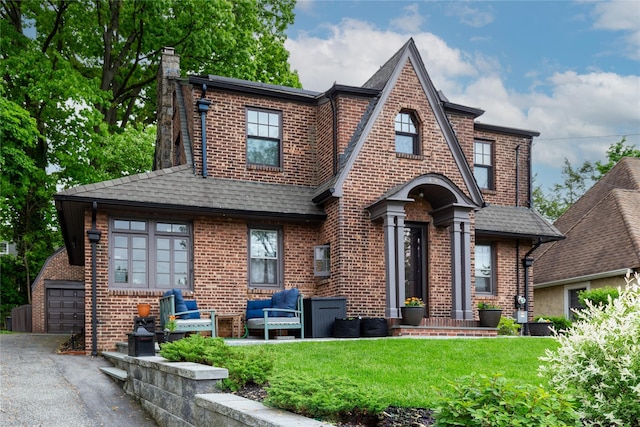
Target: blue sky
(568, 69)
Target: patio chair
(188, 316)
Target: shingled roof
(516, 222)
(602, 230)
(178, 190)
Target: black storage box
(320, 313)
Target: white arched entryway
(450, 208)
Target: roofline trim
(257, 88)
(585, 278)
(503, 129)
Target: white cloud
(410, 21)
(623, 16)
(472, 16)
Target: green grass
(403, 372)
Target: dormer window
(264, 136)
(407, 141)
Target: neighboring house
(373, 193)
(8, 248)
(602, 232)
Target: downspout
(94, 238)
(335, 134)
(530, 189)
(203, 107)
(517, 175)
(517, 240)
(526, 263)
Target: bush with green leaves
(560, 323)
(480, 400)
(598, 296)
(598, 360)
(331, 399)
(508, 326)
(243, 367)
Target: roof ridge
(618, 198)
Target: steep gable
(387, 80)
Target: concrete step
(115, 373)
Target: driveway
(39, 387)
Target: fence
(21, 318)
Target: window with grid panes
(264, 137)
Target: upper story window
(150, 254)
(407, 141)
(483, 164)
(484, 263)
(264, 137)
(266, 262)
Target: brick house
(602, 242)
(373, 193)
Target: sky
(567, 69)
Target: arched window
(407, 140)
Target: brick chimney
(168, 72)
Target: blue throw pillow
(178, 300)
(254, 308)
(285, 299)
(191, 305)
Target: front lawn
(403, 372)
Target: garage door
(65, 310)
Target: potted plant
(489, 314)
(413, 311)
(144, 309)
(540, 327)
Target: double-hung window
(264, 138)
(150, 254)
(485, 272)
(407, 141)
(265, 257)
(483, 164)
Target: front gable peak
(385, 80)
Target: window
(407, 141)
(265, 257)
(4, 248)
(572, 300)
(322, 260)
(263, 138)
(483, 164)
(150, 254)
(485, 278)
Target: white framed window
(407, 141)
(4, 248)
(483, 163)
(264, 137)
(266, 262)
(484, 269)
(150, 254)
(322, 261)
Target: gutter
(94, 238)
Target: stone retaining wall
(184, 394)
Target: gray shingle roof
(514, 221)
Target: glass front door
(415, 261)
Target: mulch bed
(74, 345)
(390, 417)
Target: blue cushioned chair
(283, 311)
(188, 316)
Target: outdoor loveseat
(188, 316)
(283, 311)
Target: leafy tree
(81, 76)
(576, 181)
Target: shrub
(331, 399)
(479, 400)
(598, 296)
(598, 360)
(243, 367)
(508, 326)
(560, 323)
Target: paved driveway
(39, 387)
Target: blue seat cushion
(254, 308)
(287, 299)
(178, 300)
(191, 305)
